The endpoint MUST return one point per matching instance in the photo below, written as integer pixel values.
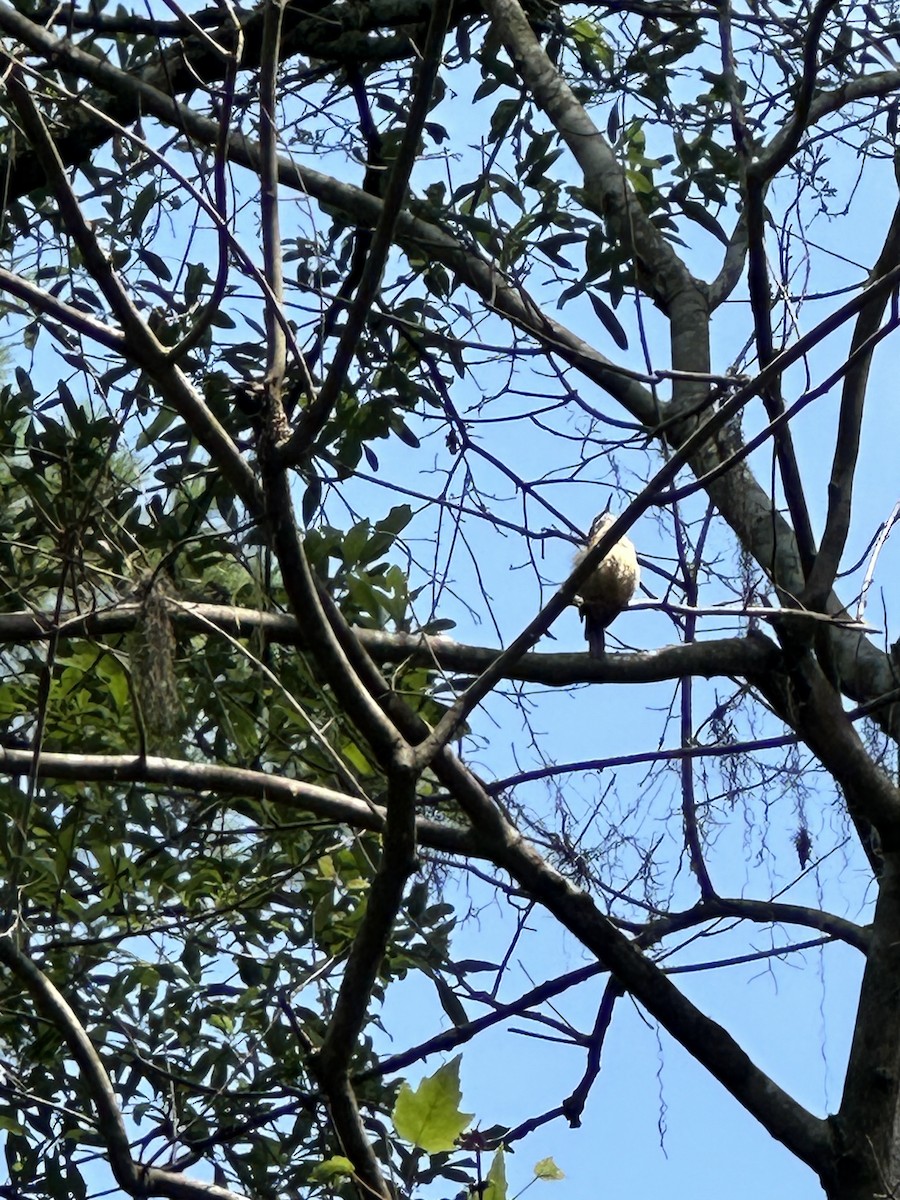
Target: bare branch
(807, 1136)
(276, 345)
(231, 781)
(846, 450)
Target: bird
(607, 590)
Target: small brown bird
(606, 592)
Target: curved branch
(805, 1135)
(131, 1176)
(233, 781)
(846, 450)
(766, 912)
(135, 96)
(50, 1002)
(139, 344)
(767, 165)
(763, 912)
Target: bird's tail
(595, 633)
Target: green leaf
(450, 1002)
(612, 124)
(609, 321)
(27, 390)
(697, 212)
(404, 433)
(311, 499)
(439, 626)
(332, 1168)
(197, 278)
(156, 264)
(503, 116)
(397, 519)
(158, 426)
(430, 1116)
(640, 182)
(142, 206)
(251, 971)
(354, 542)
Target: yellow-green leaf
(547, 1169)
(430, 1116)
(496, 1179)
(331, 1168)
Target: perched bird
(608, 589)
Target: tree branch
(607, 189)
(394, 201)
(865, 671)
(332, 1063)
(718, 656)
(846, 449)
(233, 781)
(132, 1177)
(139, 344)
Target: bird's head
(600, 524)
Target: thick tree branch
(864, 670)
(755, 182)
(813, 707)
(379, 32)
(693, 431)
(276, 343)
(135, 95)
(661, 273)
(688, 452)
(806, 1136)
(51, 1004)
(865, 1125)
(718, 656)
(766, 166)
(233, 781)
(763, 912)
(711, 1045)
